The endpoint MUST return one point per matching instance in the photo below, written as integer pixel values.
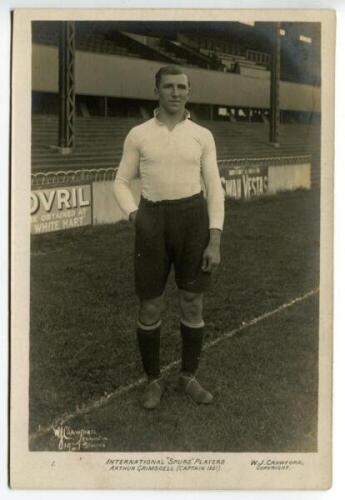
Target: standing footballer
(174, 225)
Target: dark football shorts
(171, 232)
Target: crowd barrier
(68, 199)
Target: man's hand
(211, 256)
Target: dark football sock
(149, 347)
(192, 338)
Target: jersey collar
(186, 116)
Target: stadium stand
(99, 142)
(182, 48)
(240, 132)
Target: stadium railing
(68, 177)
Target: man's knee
(191, 305)
(150, 310)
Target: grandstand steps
(99, 142)
(72, 161)
(111, 156)
(112, 142)
(223, 153)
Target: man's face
(173, 93)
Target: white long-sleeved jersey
(171, 164)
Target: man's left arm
(215, 203)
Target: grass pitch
(83, 345)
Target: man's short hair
(169, 70)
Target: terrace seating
(99, 142)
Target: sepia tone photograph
(175, 181)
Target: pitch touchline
(87, 408)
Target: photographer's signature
(70, 439)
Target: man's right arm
(127, 171)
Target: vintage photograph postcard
(171, 249)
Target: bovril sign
(60, 208)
